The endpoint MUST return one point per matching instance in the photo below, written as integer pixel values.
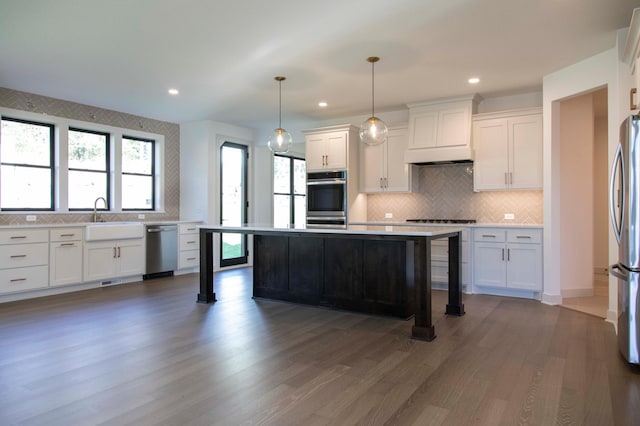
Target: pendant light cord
(280, 103)
(372, 90)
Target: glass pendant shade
(373, 131)
(280, 141)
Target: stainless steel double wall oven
(327, 199)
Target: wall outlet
(31, 218)
(141, 216)
(388, 215)
(509, 216)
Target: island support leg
(206, 294)
(455, 306)
(423, 328)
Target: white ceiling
(223, 55)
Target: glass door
(233, 202)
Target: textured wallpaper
(56, 107)
(447, 192)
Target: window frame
(52, 146)
(107, 170)
(152, 174)
(291, 193)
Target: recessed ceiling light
(173, 91)
(322, 104)
(474, 80)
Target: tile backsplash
(71, 110)
(446, 191)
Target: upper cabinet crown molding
(632, 45)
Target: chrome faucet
(95, 207)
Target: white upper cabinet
(440, 131)
(327, 149)
(382, 167)
(508, 150)
(631, 56)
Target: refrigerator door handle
(618, 273)
(617, 163)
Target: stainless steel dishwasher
(162, 251)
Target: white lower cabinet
(440, 262)
(24, 259)
(113, 259)
(188, 246)
(508, 258)
(65, 256)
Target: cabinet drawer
(489, 235)
(524, 236)
(21, 236)
(188, 259)
(21, 279)
(189, 242)
(66, 234)
(21, 255)
(188, 228)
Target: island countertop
(356, 229)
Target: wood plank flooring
(147, 354)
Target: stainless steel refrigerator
(624, 206)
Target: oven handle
(343, 218)
(326, 182)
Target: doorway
(585, 215)
(233, 202)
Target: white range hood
(440, 131)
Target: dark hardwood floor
(147, 354)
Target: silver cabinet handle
(488, 236)
(523, 236)
(118, 251)
(17, 237)
(191, 258)
(15, 280)
(114, 252)
(15, 256)
(506, 181)
(67, 235)
(191, 229)
(502, 254)
(508, 255)
(191, 242)
(67, 244)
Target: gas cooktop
(442, 220)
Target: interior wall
(576, 186)
(600, 196)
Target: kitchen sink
(113, 231)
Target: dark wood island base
(377, 270)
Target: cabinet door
(398, 173)
(490, 141)
(424, 130)
(130, 257)
(371, 167)
(99, 260)
(336, 150)
(315, 152)
(453, 127)
(525, 152)
(65, 263)
(489, 265)
(524, 266)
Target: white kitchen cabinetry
(24, 260)
(508, 258)
(631, 56)
(327, 149)
(65, 256)
(440, 263)
(113, 259)
(382, 167)
(440, 131)
(508, 150)
(188, 246)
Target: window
(138, 173)
(233, 202)
(88, 168)
(26, 167)
(289, 191)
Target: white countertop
(455, 225)
(83, 224)
(352, 229)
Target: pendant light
(280, 140)
(373, 131)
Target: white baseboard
(551, 299)
(612, 317)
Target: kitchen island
(370, 269)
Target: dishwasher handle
(153, 229)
